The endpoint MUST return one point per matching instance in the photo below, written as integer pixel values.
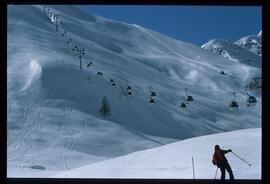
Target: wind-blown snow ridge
(54, 120)
(233, 51)
(34, 73)
(174, 160)
(252, 43)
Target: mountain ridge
(246, 50)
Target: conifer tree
(105, 109)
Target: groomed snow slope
(53, 106)
(175, 160)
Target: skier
(220, 161)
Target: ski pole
(193, 168)
(241, 158)
(216, 173)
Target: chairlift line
(233, 105)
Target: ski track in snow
(60, 162)
(31, 125)
(174, 160)
(70, 143)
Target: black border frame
(3, 90)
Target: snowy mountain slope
(233, 51)
(252, 43)
(53, 105)
(175, 160)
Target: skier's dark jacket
(219, 157)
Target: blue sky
(194, 24)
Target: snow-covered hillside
(175, 160)
(234, 51)
(53, 119)
(252, 43)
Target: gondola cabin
(112, 83)
(183, 106)
(251, 101)
(233, 106)
(129, 91)
(252, 85)
(153, 94)
(189, 98)
(255, 83)
(151, 102)
(89, 64)
(99, 74)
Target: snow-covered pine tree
(105, 107)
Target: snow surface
(247, 50)
(253, 43)
(175, 160)
(234, 51)
(53, 120)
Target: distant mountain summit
(253, 43)
(260, 34)
(246, 50)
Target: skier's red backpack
(217, 157)
(214, 159)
